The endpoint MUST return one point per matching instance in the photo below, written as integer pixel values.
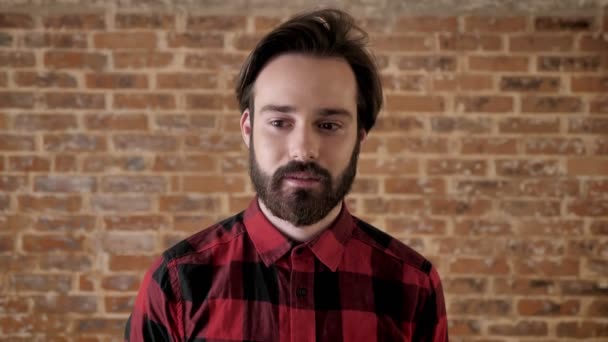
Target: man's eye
(277, 123)
(330, 126)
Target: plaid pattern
(242, 280)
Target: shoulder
(390, 246)
(218, 233)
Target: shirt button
(299, 251)
(301, 292)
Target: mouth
(302, 179)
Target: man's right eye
(277, 123)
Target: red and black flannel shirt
(242, 280)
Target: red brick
(74, 143)
(541, 43)
(462, 82)
(490, 146)
(598, 308)
(400, 228)
(599, 106)
(588, 207)
(93, 325)
(364, 185)
(589, 84)
(13, 305)
(488, 104)
(583, 288)
(460, 327)
(12, 20)
(74, 100)
(124, 40)
(470, 42)
(529, 125)
(193, 224)
(210, 184)
(592, 43)
(466, 125)
(196, 40)
(192, 163)
(6, 39)
(122, 304)
(495, 24)
(523, 208)
(80, 21)
(555, 146)
(475, 207)
(29, 163)
(265, 23)
(464, 167)
(487, 266)
(45, 80)
(568, 24)
(121, 203)
(426, 24)
(214, 60)
(215, 143)
(414, 103)
(56, 40)
(104, 163)
(548, 267)
(587, 167)
(521, 328)
(116, 81)
(529, 84)
(498, 63)
(427, 63)
(389, 166)
(216, 23)
(129, 243)
(234, 164)
(466, 246)
(130, 262)
(184, 80)
(475, 227)
(44, 243)
(596, 187)
(144, 101)
(135, 222)
(416, 145)
(399, 185)
(547, 104)
(144, 21)
(14, 142)
(119, 184)
(200, 204)
(465, 285)
(44, 122)
(527, 168)
(481, 307)
(246, 41)
(141, 59)
(582, 330)
(42, 282)
(524, 286)
(399, 124)
(65, 163)
(395, 43)
(44, 203)
(14, 183)
(159, 143)
(396, 206)
(75, 60)
(63, 223)
(65, 304)
(569, 63)
(17, 59)
(204, 101)
(116, 122)
(65, 184)
(16, 100)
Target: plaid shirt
(242, 280)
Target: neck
(301, 233)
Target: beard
(302, 206)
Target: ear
(362, 136)
(246, 129)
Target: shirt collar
(271, 244)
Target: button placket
(302, 302)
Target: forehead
(304, 80)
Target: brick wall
(119, 136)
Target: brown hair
(323, 33)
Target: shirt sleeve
(432, 323)
(157, 311)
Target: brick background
(119, 136)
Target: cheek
(268, 153)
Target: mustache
(297, 166)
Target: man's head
(315, 93)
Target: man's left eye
(330, 126)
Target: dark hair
(324, 33)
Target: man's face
(304, 142)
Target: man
(296, 265)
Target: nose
(304, 144)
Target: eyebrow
(291, 109)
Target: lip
(302, 179)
